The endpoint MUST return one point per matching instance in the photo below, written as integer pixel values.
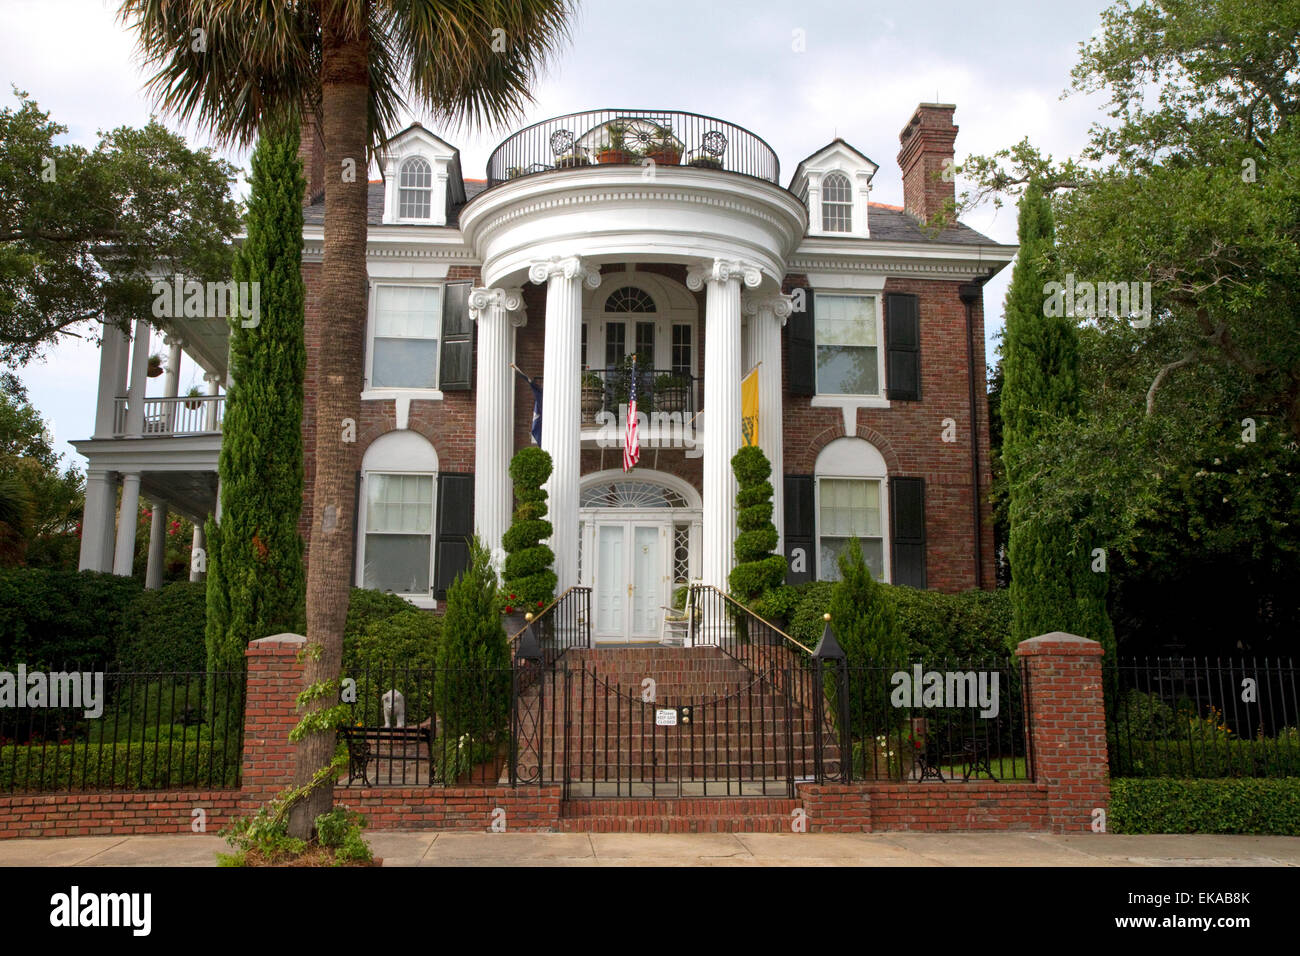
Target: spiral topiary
(528, 583)
(757, 569)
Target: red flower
(539, 603)
(509, 609)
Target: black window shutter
(455, 528)
(907, 513)
(903, 347)
(457, 372)
(800, 529)
(801, 344)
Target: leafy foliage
(757, 569)
(80, 231)
(259, 585)
(528, 583)
(1205, 806)
(473, 689)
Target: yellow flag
(749, 407)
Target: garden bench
(366, 744)
(973, 756)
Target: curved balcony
(629, 138)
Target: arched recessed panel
(400, 450)
(630, 494)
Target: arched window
(851, 491)
(629, 299)
(399, 475)
(837, 203)
(415, 189)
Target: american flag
(632, 440)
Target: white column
(172, 379)
(214, 388)
(139, 380)
(153, 573)
(127, 517)
(97, 522)
(113, 348)
(561, 401)
(767, 315)
(198, 541)
(722, 435)
(494, 418)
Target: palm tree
(236, 67)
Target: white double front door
(630, 576)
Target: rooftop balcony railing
(663, 391)
(632, 137)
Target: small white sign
(666, 717)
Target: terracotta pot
(666, 157)
(613, 156)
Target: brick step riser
(775, 824)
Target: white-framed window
(851, 502)
(837, 203)
(397, 521)
(849, 358)
(415, 189)
(406, 324)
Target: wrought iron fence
(632, 137)
(1196, 717)
(82, 729)
(659, 392)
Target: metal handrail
(764, 621)
(511, 639)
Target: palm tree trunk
(339, 338)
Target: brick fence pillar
(1067, 727)
(270, 712)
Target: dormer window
(415, 189)
(837, 203)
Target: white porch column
(494, 413)
(113, 348)
(139, 380)
(97, 522)
(767, 316)
(153, 573)
(210, 413)
(172, 378)
(124, 552)
(198, 541)
(561, 401)
(722, 435)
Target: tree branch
(1161, 375)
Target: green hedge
(1208, 758)
(137, 766)
(1205, 806)
(165, 630)
(966, 626)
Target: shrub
(527, 575)
(473, 680)
(1203, 756)
(123, 766)
(52, 618)
(757, 569)
(1205, 806)
(396, 652)
(164, 631)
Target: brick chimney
(311, 150)
(925, 143)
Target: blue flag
(537, 408)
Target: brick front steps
(685, 815)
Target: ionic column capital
(482, 299)
(779, 304)
(723, 270)
(566, 267)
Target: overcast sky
(864, 67)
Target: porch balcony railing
(630, 137)
(658, 391)
(186, 415)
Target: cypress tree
(1053, 586)
(256, 583)
(757, 569)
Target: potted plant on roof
(155, 366)
(665, 149)
(705, 161)
(615, 148)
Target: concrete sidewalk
(424, 848)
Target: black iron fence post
(828, 650)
